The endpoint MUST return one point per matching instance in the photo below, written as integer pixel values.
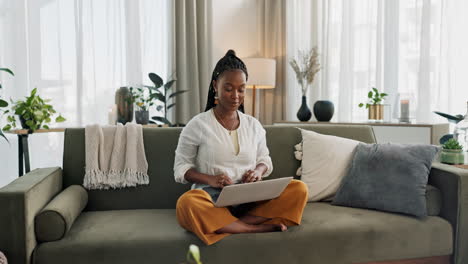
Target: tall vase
(123, 100)
(304, 114)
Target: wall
(235, 27)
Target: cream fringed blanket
(115, 157)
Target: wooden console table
(23, 148)
(417, 133)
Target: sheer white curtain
(77, 53)
(414, 47)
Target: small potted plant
(141, 96)
(34, 113)
(374, 104)
(452, 152)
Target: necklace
(222, 122)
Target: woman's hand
(219, 181)
(252, 176)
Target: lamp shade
(262, 72)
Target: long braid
(227, 63)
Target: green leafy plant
(142, 97)
(162, 93)
(34, 113)
(4, 103)
(452, 144)
(374, 98)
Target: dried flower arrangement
(306, 70)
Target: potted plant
(34, 113)
(3, 103)
(141, 96)
(161, 92)
(452, 152)
(374, 104)
(305, 71)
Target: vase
(376, 112)
(123, 100)
(323, 110)
(25, 126)
(452, 156)
(142, 117)
(304, 114)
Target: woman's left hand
(252, 176)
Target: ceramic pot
(452, 156)
(323, 110)
(376, 112)
(304, 114)
(142, 117)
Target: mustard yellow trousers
(197, 213)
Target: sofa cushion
(328, 234)
(388, 177)
(57, 217)
(325, 161)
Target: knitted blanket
(115, 157)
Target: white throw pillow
(325, 161)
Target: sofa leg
(430, 260)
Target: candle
(112, 115)
(404, 110)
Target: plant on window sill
(374, 98)
(161, 91)
(34, 113)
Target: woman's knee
(299, 187)
(187, 199)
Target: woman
(223, 146)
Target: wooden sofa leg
(430, 260)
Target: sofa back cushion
(160, 145)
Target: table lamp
(262, 75)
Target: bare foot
(241, 227)
(253, 219)
(272, 228)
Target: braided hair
(229, 62)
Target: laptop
(251, 192)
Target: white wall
(235, 27)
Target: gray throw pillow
(388, 177)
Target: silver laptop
(252, 191)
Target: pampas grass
(306, 69)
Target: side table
(23, 148)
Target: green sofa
(138, 225)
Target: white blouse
(206, 145)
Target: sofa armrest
(453, 183)
(20, 201)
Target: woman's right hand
(219, 181)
